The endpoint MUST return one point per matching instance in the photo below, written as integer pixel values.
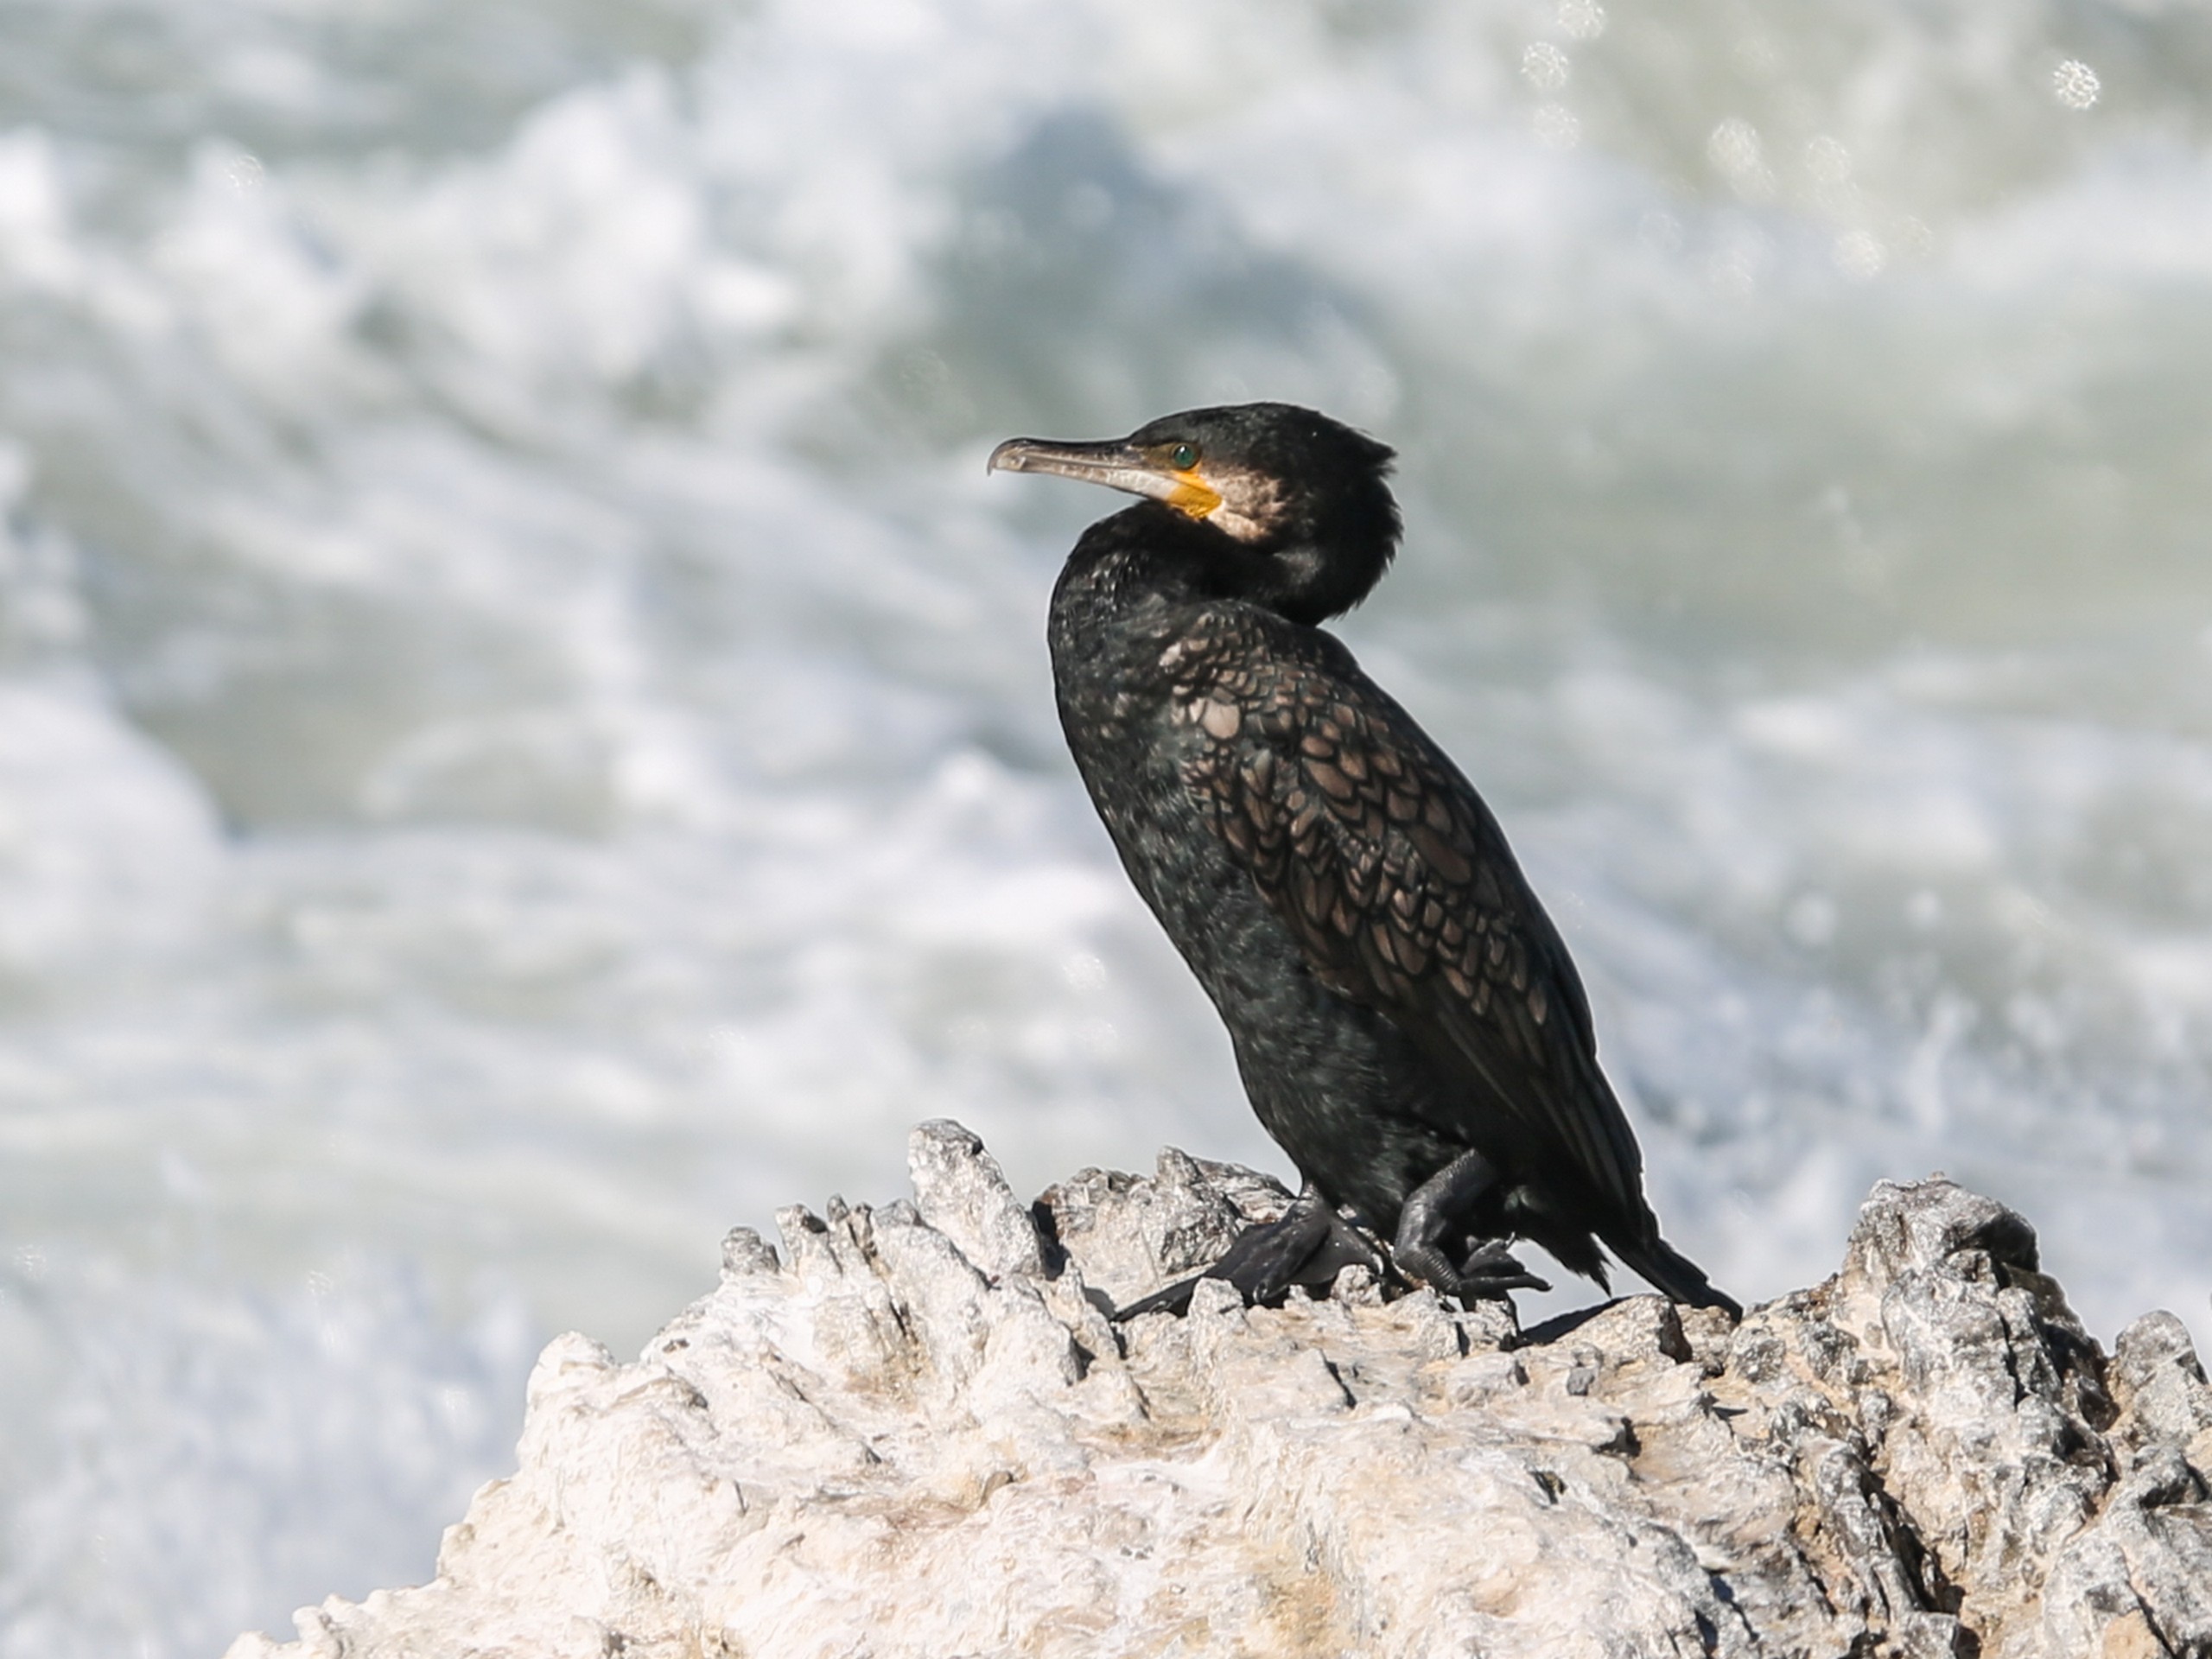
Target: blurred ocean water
(524, 735)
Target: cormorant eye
(1184, 456)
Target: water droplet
(1859, 255)
(1583, 20)
(1734, 147)
(1827, 161)
(2075, 84)
(1544, 67)
(1736, 153)
(246, 174)
(1756, 57)
(1556, 127)
(1735, 270)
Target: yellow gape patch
(1193, 495)
(1233, 499)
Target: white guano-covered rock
(915, 1433)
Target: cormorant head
(1293, 508)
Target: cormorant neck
(1321, 560)
(1313, 566)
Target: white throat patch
(1251, 502)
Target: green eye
(1184, 456)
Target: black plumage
(1405, 1019)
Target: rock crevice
(914, 1431)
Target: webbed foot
(1486, 1273)
(1309, 1245)
(1488, 1269)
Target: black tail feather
(1676, 1275)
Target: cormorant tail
(1678, 1277)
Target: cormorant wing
(1361, 834)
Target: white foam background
(524, 737)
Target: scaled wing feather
(1398, 883)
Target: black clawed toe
(1490, 1270)
(1310, 1245)
(1484, 1270)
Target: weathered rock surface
(916, 1433)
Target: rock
(916, 1433)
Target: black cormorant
(1405, 1017)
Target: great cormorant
(1405, 1019)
